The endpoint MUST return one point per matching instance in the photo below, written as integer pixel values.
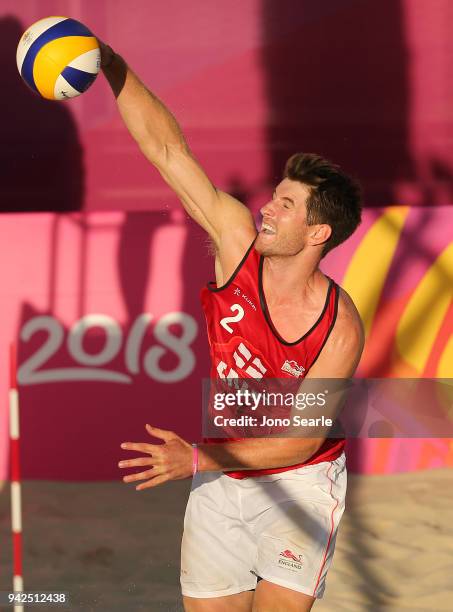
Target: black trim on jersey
(232, 277)
(268, 317)
(335, 312)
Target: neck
(292, 277)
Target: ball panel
(65, 50)
(28, 78)
(89, 61)
(31, 34)
(45, 73)
(70, 27)
(53, 58)
(79, 79)
(63, 89)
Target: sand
(112, 548)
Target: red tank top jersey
(242, 338)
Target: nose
(268, 209)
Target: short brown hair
(335, 197)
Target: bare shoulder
(347, 310)
(348, 329)
(341, 354)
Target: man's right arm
(227, 221)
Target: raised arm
(161, 140)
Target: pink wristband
(194, 459)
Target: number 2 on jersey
(226, 320)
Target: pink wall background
(89, 228)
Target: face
(284, 230)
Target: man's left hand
(169, 461)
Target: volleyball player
(263, 513)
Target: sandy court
(112, 548)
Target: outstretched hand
(107, 53)
(169, 461)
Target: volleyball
(58, 58)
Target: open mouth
(267, 229)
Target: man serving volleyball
(263, 513)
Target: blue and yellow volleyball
(58, 58)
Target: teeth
(268, 228)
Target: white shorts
(280, 527)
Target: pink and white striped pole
(16, 505)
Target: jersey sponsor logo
(290, 560)
(245, 297)
(293, 368)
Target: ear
(319, 234)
